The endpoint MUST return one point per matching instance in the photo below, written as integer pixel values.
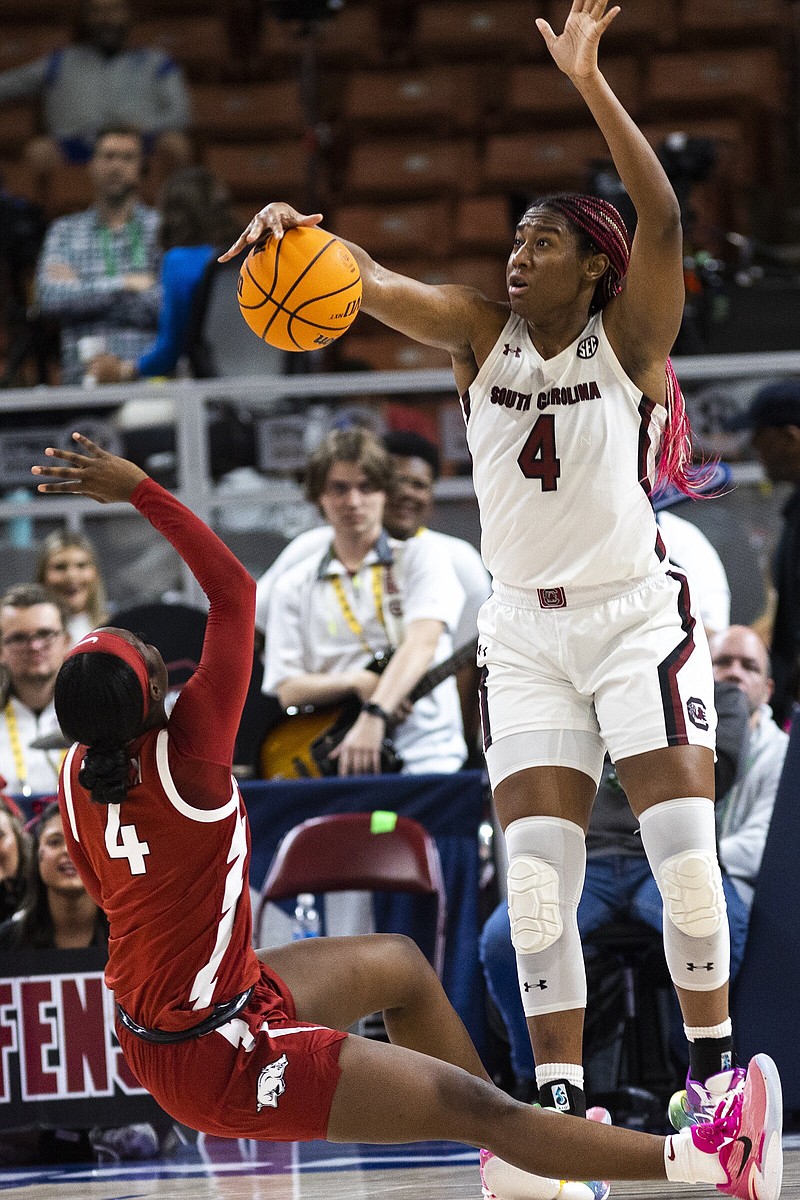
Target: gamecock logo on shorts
(270, 1084)
(697, 712)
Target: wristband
(375, 710)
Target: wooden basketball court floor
(230, 1170)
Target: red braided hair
(601, 225)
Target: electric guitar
(299, 746)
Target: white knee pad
(547, 864)
(680, 843)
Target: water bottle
(20, 529)
(306, 917)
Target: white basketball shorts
(584, 670)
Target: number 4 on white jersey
(129, 846)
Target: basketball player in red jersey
(245, 1045)
(590, 641)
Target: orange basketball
(301, 291)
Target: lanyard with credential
(16, 750)
(350, 617)
(138, 252)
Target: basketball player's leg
(560, 800)
(335, 981)
(389, 1094)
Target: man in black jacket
(774, 419)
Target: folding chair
(342, 852)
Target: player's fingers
(60, 488)
(608, 18)
(94, 450)
(58, 472)
(545, 30)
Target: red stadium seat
(389, 351)
(411, 167)
(549, 159)
(396, 229)
(537, 90)
(484, 223)
(438, 99)
(250, 111)
(706, 83)
(22, 44)
(261, 170)
(729, 20)
(643, 24)
(18, 124)
(199, 44)
(479, 29)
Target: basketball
(300, 292)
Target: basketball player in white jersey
(589, 640)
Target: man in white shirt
(33, 643)
(406, 515)
(361, 596)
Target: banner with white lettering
(61, 1066)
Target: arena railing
(190, 401)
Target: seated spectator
(408, 510)
(68, 568)
(99, 81)
(619, 883)
(15, 854)
(364, 596)
(97, 273)
(196, 223)
(57, 912)
(33, 643)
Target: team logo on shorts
(270, 1084)
(588, 347)
(552, 597)
(696, 710)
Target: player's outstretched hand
(273, 219)
(93, 472)
(575, 50)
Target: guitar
(299, 746)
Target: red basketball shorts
(262, 1075)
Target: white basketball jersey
(563, 454)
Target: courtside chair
(371, 852)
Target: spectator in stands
(15, 854)
(196, 221)
(97, 273)
(97, 82)
(57, 911)
(68, 568)
(691, 551)
(33, 643)
(619, 883)
(774, 419)
(408, 510)
(366, 595)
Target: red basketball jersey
(173, 881)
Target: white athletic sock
(686, 1164)
(694, 1033)
(549, 1072)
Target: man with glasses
(365, 596)
(33, 643)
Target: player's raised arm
(446, 316)
(650, 307)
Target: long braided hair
(600, 228)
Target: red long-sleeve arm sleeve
(205, 720)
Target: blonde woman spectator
(68, 567)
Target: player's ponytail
(600, 227)
(98, 702)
